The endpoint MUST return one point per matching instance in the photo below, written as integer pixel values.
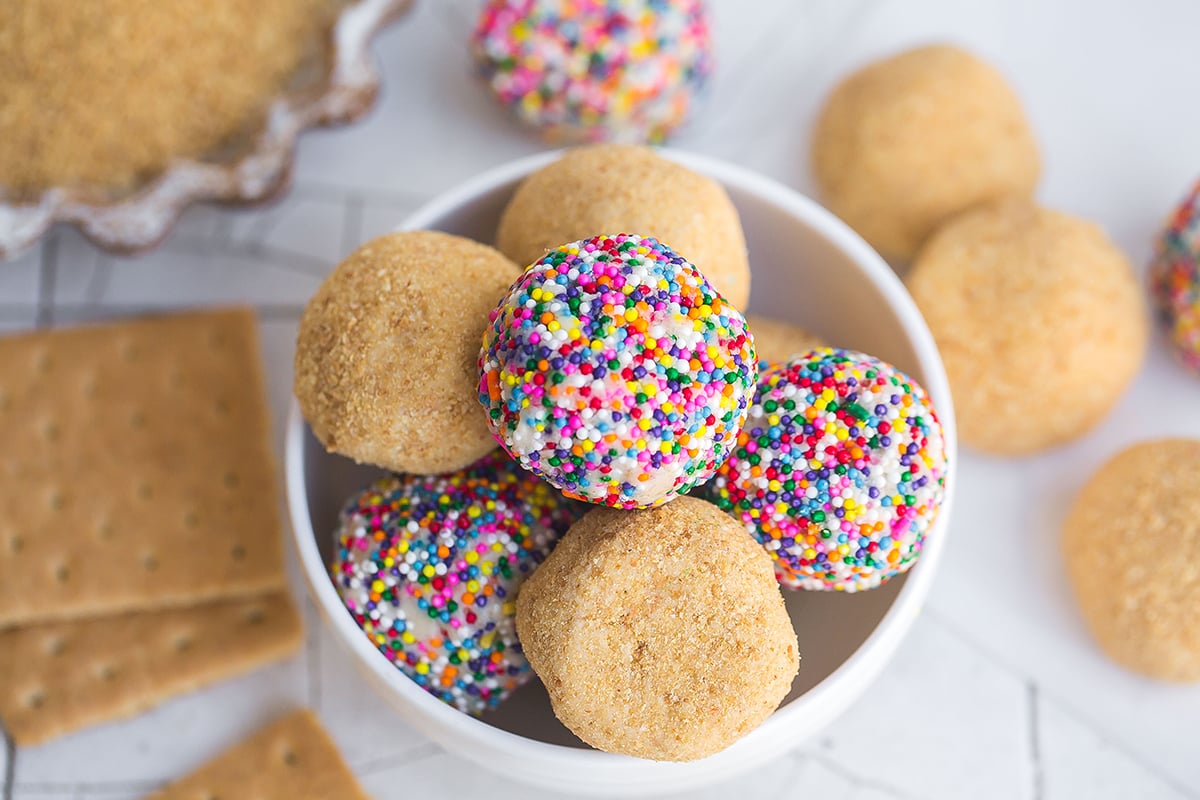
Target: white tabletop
(998, 692)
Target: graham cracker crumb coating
(1040, 321)
(659, 633)
(629, 189)
(107, 93)
(1132, 549)
(388, 349)
(907, 142)
(777, 341)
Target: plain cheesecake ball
(1132, 548)
(629, 189)
(387, 350)
(659, 633)
(776, 341)
(909, 141)
(1039, 319)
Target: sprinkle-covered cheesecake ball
(596, 70)
(839, 471)
(429, 567)
(1176, 276)
(615, 371)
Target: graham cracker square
(136, 468)
(58, 677)
(291, 759)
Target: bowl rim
(542, 762)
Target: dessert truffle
(1176, 279)
(387, 349)
(1131, 544)
(907, 142)
(622, 189)
(430, 566)
(596, 70)
(1040, 321)
(615, 371)
(839, 471)
(659, 633)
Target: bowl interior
(801, 273)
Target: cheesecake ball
(1175, 275)
(1040, 321)
(907, 142)
(777, 341)
(1131, 544)
(387, 350)
(615, 371)
(839, 472)
(623, 189)
(429, 568)
(596, 70)
(659, 633)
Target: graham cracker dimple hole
(62, 573)
(55, 646)
(144, 490)
(290, 758)
(56, 501)
(128, 351)
(42, 362)
(183, 643)
(255, 616)
(238, 552)
(15, 544)
(149, 562)
(191, 519)
(50, 431)
(106, 672)
(221, 408)
(137, 420)
(4, 402)
(231, 480)
(104, 529)
(217, 340)
(175, 379)
(35, 699)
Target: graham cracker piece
(136, 470)
(290, 759)
(60, 677)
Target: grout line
(97, 285)
(853, 778)
(10, 765)
(99, 312)
(997, 659)
(412, 755)
(1035, 742)
(352, 223)
(47, 274)
(51, 787)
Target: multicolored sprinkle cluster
(429, 567)
(839, 471)
(596, 70)
(1176, 277)
(615, 371)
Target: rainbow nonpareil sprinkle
(615, 371)
(839, 471)
(429, 567)
(596, 70)
(1175, 274)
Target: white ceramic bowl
(808, 268)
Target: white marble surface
(998, 693)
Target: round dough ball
(907, 142)
(387, 351)
(613, 370)
(1132, 549)
(659, 633)
(596, 70)
(839, 471)
(1039, 320)
(626, 189)
(776, 341)
(1175, 274)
